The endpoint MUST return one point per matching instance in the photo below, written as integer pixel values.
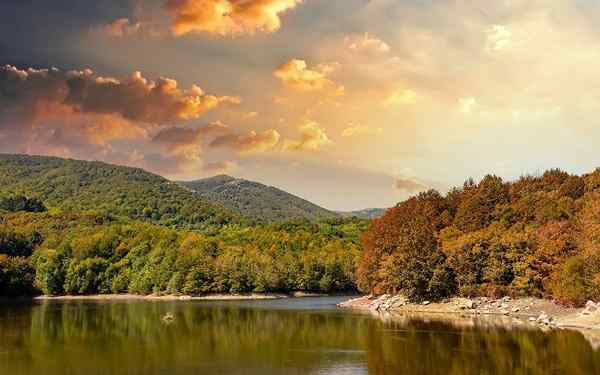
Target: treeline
(89, 253)
(538, 236)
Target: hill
(367, 213)
(257, 200)
(76, 185)
(537, 236)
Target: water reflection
(284, 337)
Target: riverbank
(532, 311)
(208, 297)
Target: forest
(537, 236)
(92, 253)
(72, 227)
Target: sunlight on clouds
(366, 43)
(498, 38)
(252, 142)
(401, 96)
(466, 105)
(296, 74)
(358, 130)
(312, 138)
(227, 17)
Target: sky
(348, 103)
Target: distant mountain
(368, 213)
(256, 200)
(82, 185)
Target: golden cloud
(358, 129)
(312, 138)
(227, 17)
(298, 75)
(401, 96)
(252, 142)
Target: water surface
(296, 336)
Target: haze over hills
(257, 200)
(82, 185)
(367, 213)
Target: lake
(292, 336)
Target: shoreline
(527, 311)
(172, 297)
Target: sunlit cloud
(312, 138)
(467, 105)
(498, 38)
(401, 96)
(253, 142)
(227, 17)
(366, 43)
(296, 74)
(360, 130)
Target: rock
(506, 299)
(465, 304)
(532, 319)
(544, 318)
(426, 303)
(516, 309)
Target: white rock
(543, 316)
(426, 302)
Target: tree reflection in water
(243, 338)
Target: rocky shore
(530, 311)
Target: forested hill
(537, 236)
(257, 200)
(81, 185)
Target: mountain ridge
(78, 185)
(256, 199)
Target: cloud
(83, 115)
(218, 166)
(227, 17)
(121, 28)
(296, 74)
(466, 105)
(312, 138)
(253, 142)
(401, 96)
(409, 185)
(135, 98)
(366, 43)
(499, 37)
(357, 130)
